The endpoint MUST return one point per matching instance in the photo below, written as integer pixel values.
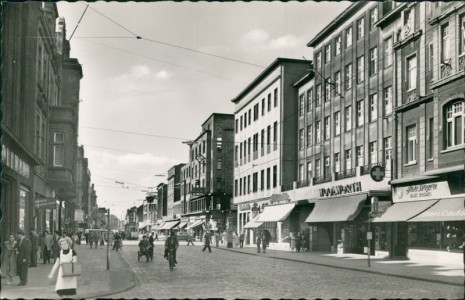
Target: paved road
(224, 274)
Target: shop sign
(425, 191)
(198, 190)
(43, 203)
(12, 160)
(341, 189)
(278, 198)
(244, 207)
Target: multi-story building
(265, 152)
(82, 189)
(131, 226)
(208, 177)
(174, 192)
(428, 57)
(162, 200)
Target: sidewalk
(95, 281)
(451, 274)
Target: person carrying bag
(68, 270)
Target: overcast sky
(162, 88)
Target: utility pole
(108, 241)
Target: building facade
(265, 153)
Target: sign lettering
(277, 198)
(45, 203)
(244, 206)
(422, 191)
(341, 189)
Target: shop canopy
(276, 213)
(401, 212)
(253, 223)
(450, 209)
(169, 225)
(195, 224)
(337, 209)
(181, 225)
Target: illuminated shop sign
(341, 189)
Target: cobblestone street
(229, 275)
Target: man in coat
(207, 241)
(23, 256)
(35, 247)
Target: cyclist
(171, 244)
(144, 246)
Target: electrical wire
(75, 28)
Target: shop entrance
(400, 236)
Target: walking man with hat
(23, 256)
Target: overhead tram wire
(75, 28)
(113, 179)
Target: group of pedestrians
(20, 252)
(263, 239)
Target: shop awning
(253, 223)
(401, 212)
(195, 224)
(182, 225)
(337, 209)
(276, 213)
(450, 209)
(169, 225)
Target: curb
(349, 268)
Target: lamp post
(108, 240)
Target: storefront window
(439, 235)
(271, 227)
(23, 195)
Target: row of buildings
(46, 182)
(367, 141)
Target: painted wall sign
(427, 191)
(45, 203)
(341, 189)
(244, 207)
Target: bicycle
(171, 259)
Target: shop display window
(381, 237)
(271, 227)
(439, 235)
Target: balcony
(446, 68)
(62, 179)
(287, 187)
(346, 174)
(322, 179)
(303, 183)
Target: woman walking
(65, 286)
(9, 259)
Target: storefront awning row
(276, 213)
(195, 224)
(169, 225)
(253, 223)
(451, 209)
(337, 209)
(401, 212)
(182, 225)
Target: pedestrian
(90, 239)
(259, 242)
(102, 242)
(64, 286)
(35, 239)
(68, 240)
(264, 241)
(48, 244)
(190, 240)
(74, 237)
(86, 233)
(172, 244)
(9, 258)
(206, 242)
(56, 246)
(156, 236)
(241, 239)
(223, 240)
(23, 256)
(217, 238)
(298, 241)
(151, 247)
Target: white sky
(166, 92)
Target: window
(268, 178)
(373, 107)
(348, 118)
(337, 82)
(327, 167)
(58, 149)
(242, 122)
(245, 120)
(388, 100)
(255, 112)
(268, 135)
(318, 60)
(275, 132)
(327, 89)
(262, 139)
(360, 29)
(412, 73)
(373, 153)
(250, 116)
(317, 168)
(318, 131)
(301, 139)
(337, 162)
(445, 49)
(348, 159)
(359, 153)
(411, 143)
(236, 149)
(388, 52)
(430, 137)
(328, 53)
(309, 135)
(301, 172)
(237, 125)
(387, 152)
(262, 180)
(373, 17)
(309, 99)
(249, 147)
(309, 170)
(360, 113)
(255, 182)
(455, 123)
(337, 49)
(302, 104)
(373, 67)
(248, 185)
(275, 176)
(318, 95)
(327, 128)
(348, 37)
(236, 186)
(275, 97)
(263, 106)
(219, 163)
(360, 69)
(348, 76)
(431, 61)
(269, 102)
(337, 123)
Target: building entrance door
(400, 237)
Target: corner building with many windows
(265, 149)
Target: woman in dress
(65, 286)
(9, 259)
